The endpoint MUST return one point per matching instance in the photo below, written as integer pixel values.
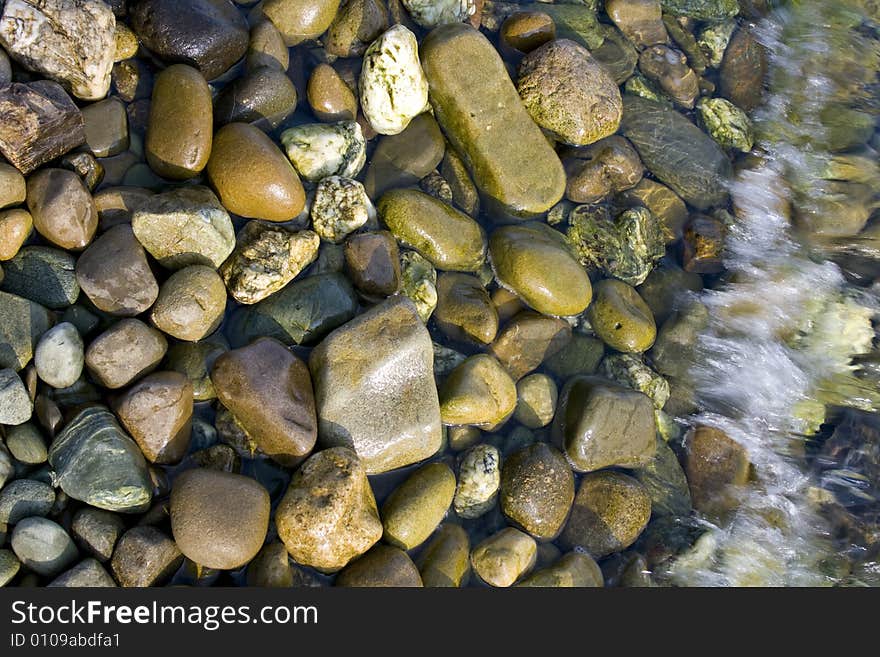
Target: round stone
(43, 546)
(266, 47)
(60, 356)
(12, 186)
(504, 557)
(416, 507)
(219, 519)
(62, 208)
(264, 98)
(536, 397)
(572, 570)
(125, 352)
(15, 403)
(44, 275)
(355, 27)
(191, 303)
(479, 391)
(252, 177)
(621, 318)
(525, 31)
(537, 489)
(26, 443)
(25, 498)
(15, 228)
(330, 98)
(381, 566)
(479, 476)
(299, 21)
(464, 310)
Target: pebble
(16, 406)
(87, 573)
(71, 41)
(527, 340)
(605, 168)
(269, 391)
(464, 310)
(568, 93)
(382, 566)
(677, 340)
(212, 34)
(536, 401)
(519, 176)
(157, 412)
(41, 123)
(716, 466)
(404, 159)
(339, 208)
(252, 177)
(610, 512)
(525, 31)
(60, 356)
(126, 42)
(464, 192)
(668, 69)
(96, 531)
(479, 477)
(62, 208)
(504, 557)
(743, 70)
(298, 21)
(677, 152)
(445, 562)
(86, 166)
(356, 25)
(664, 204)
(708, 10)
(537, 489)
(143, 557)
(266, 47)
(12, 187)
(7, 468)
(114, 273)
(44, 275)
(419, 283)
(479, 392)
(219, 519)
(666, 483)
(534, 261)
(393, 88)
(125, 352)
(190, 304)
(106, 125)
(271, 567)
(179, 133)
(640, 20)
(265, 259)
(372, 261)
(97, 463)
(319, 150)
(26, 444)
(9, 566)
(265, 98)
(194, 360)
(621, 318)
(449, 239)
(600, 424)
(43, 546)
(328, 516)
(416, 507)
(22, 322)
(374, 387)
(572, 570)
(15, 228)
(25, 498)
(329, 97)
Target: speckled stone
(125, 352)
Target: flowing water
(796, 309)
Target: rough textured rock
(219, 519)
(677, 152)
(265, 259)
(38, 123)
(115, 275)
(15, 404)
(504, 557)
(328, 515)
(600, 424)
(209, 34)
(340, 207)
(393, 88)
(479, 476)
(269, 391)
(381, 566)
(42, 274)
(473, 97)
(25, 498)
(22, 322)
(184, 226)
(97, 463)
(374, 387)
(569, 93)
(319, 150)
(72, 41)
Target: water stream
(786, 324)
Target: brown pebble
(191, 303)
(62, 208)
(373, 262)
(15, 227)
(330, 98)
(526, 30)
(124, 352)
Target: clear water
(786, 326)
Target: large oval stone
(476, 104)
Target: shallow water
(786, 324)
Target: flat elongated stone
(374, 387)
(15, 405)
(22, 322)
(676, 151)
(97, 463)
(72, 41)
(478, 108)
(38, 122)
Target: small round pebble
(60, 356)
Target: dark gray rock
(44, 275)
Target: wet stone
(340, 207)
(703, 245)
(715, 465)
(271, 567)
(12, 187)
(42, 274)
(388, 425)
(664, 204)
(525, 31)
(464, 310)
(416, 507)
(124, 352)
(419, 283)
(444, 562)
(743, 70)
(39, 122)
(572, 570)
(382, 566)
(329, 97)
(264, 98)
(607, 167)
(265, 259)
(9, 566)
(355, 26)
(144, 556)
(319, 150)
(640, 20)
(479, 477)
(504, 557)
(106, 125)
(373, 262)
(86, 166)
(668, 69)
(15, 228)
(621, 318)
(665, 481)
(536, 401)
(528, 340)
(298, 21)
(479, 392)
